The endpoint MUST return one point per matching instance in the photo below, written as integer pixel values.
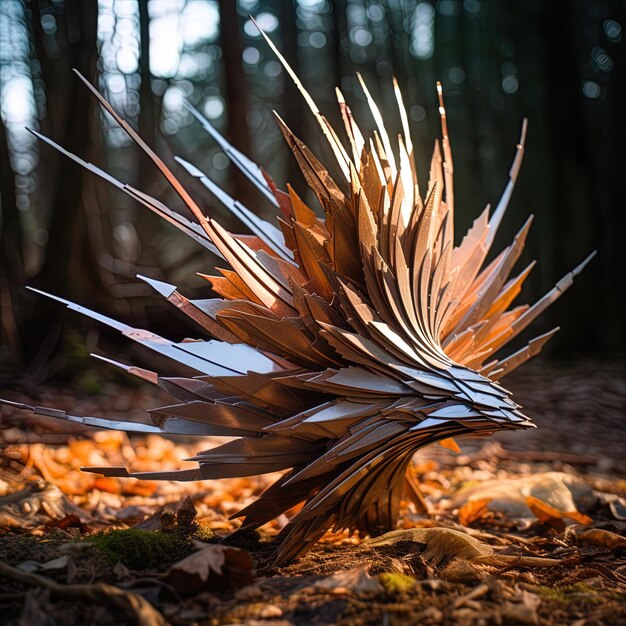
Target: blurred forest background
(559, 63)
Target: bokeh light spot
(456, 75)
(214, 107)
(591, 90)
(510, 84)
(613, 31)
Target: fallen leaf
(36, 505)
(441, 543)
(447, 544)
(450, 444)
(270, 611)
(355, 580)
(107, 484)
(604, 538)
(524, 612)
(559, 491)
(58, 563)
(132, 514)
(144, 488)
(549, 515)
(28, 566)
(178, 516)
(71, 520)
(618, 508)
(473, 510)
(54, 564)
(213, 568)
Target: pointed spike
(265, 231)
(110, 471)
(336, 147)
(101, 357)
(213, 187)
(580, 267)
(248, 167)
(403, 116)
(502, 205)
(89, 166)
(507, 365)
(180, 190)
(84, 310)
(16, 405)
(165, 289)
(151, 203)
(192, 170)
(448, 166)
(191, 229)
(380, 124)
(140, 372)
(305, 94)
(99, 422)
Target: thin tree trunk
(11, 258)
(236, 89)
(69, 266)
(292, 104)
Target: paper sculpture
(340, 344)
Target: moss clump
(567, 594)
(395, 583)
(139, 549)
(205, 534)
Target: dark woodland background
(559, 63)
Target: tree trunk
(236, 91)
(11, 259)
(70, 266)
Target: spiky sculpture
(341, 345)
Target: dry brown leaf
(54, 564)
(177, 516)
(549, 515)
(107, 484)
(36, 505)
(447, 543)
(473, 510)
(450, 444)
(559, 491)
(604, 538)
(356, 580)
(441, 543)
(71, 520)
(213, 568)
(523, 612)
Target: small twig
(135, 606)
(549, 457)
(477, 592)
(23, 493)
(524, 561)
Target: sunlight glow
(423, 31)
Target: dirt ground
(522, 528)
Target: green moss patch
(394, 582)
(567, 594)
(139, 549)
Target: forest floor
(522, 528)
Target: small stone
(249, 592)
(270, 611)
